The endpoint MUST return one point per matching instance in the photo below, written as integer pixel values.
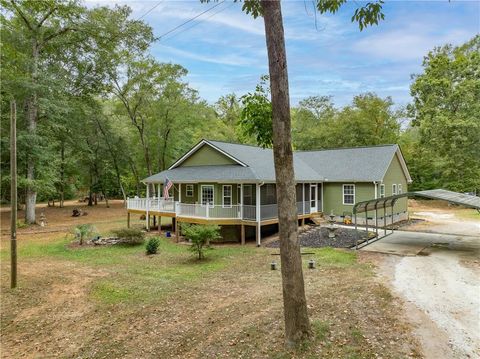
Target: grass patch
(334, 257)
(320, 329)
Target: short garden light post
(311, 264)
(273, 265)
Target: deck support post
(177, 231)
(128, 219)
(154, 221)
(258, 234)
(376, 220)
(242, 234)
(303, 222)
(159, 225)
(258, 214)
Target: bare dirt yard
(114, 301)
(438, 277)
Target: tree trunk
(32, 108)
(297, 325)
(62, 174)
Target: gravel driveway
(439, 274)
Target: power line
(151, 9)
(190, 20)
(199, 22)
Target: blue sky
(224, 49)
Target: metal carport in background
(386, 203)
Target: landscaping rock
(317, 237)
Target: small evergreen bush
(82, 231)
(130, 235)
(200, 236)
(152, 245)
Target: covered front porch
(243, 204)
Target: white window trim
(399, 188)
(343, 194)
(223, 196)
(382, 190)
(187, 188)
(394, 189)
(213, 194)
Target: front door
(313, 198)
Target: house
(233, 185)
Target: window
(394, 189)
(400, 189)
(348, 194)
(382, 190)
(227, 196)
(207, 195)
(189, 190)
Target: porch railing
(247, 212)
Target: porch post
(241, 201)
(303, 197)
(147, 207)
(159, 192)
(258, 214)
(180, 192)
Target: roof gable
(205, 153)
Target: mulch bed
(317, 237)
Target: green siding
(207, 156)
(333, 196)
(395, 175)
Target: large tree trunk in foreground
(297, 325)
(32, 108)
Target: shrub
(200, 236)
(152, 245)
(130, 235)
(82, 231)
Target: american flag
(166, 186)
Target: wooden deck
(155, 214)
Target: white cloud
(233, 60)
(409, 43)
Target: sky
(224, 49)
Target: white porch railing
(249, 212)
(211, 211)
(152, 204)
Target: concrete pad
(412, 243)
(394, 248)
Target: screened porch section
(227, 201)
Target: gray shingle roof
(226, 173)
(358, 164)
(361, 164)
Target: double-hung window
(382, 190)
(227, 196)
(394, 189)
(189, 190)
(348, 194)
(400, 189)
(207, 195)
